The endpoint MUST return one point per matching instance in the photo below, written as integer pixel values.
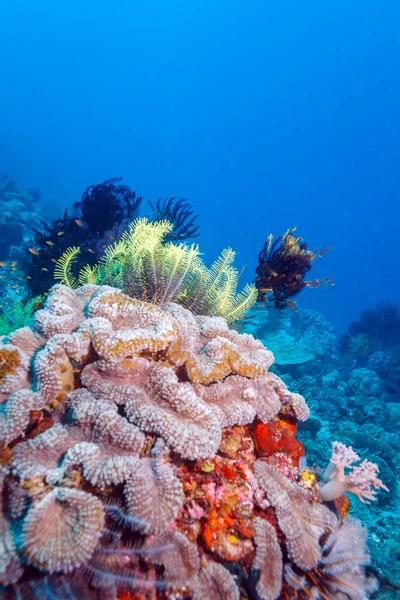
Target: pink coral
(27, 340)
(268, 559)
(61, 531)
(63, 312)
(10, 567)
(215, 583)
(239, 400)
(180, 559)
(125, 326)
(340, 573)
(39, 458)
(359, 481)
(153, 494)
(164, 406)
(16, 416)
(14, 370)
(301, 519)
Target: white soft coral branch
(361, 481)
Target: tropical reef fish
(79, 222)
(34, 251)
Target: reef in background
(352, 386)
(19, 213)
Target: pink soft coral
(359, 481)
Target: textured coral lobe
(215, 583)
(61, 531)
(268, 560)
(148, 453)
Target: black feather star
(180, 214)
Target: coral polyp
(148, 453)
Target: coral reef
(355, 400)
(293, 337)
(136, 463)
(381, 324)
(282, 267)
(19, 212)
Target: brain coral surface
(148, 453)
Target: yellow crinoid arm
(143, 261)
(241, 304)
(179, 266)
(89, 275)
(145, 236)
(62, 270)
(111, 264)
(221, 279)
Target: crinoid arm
(180, 214)
(63, 271)
(89, 275)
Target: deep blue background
(264, 114)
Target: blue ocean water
(265, 116)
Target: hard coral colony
(149, 453)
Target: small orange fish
(14, 263)
(49, 243)
(112, 237)
(91, 251)
(34, 251)
(60, 233)
(79, 222)
(44, 269)
(53, 260)
(2, 263)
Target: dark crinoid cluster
(180, 214)
(107, 203)
(381, 324)
(98, 220)
(282, 267)
(102, 213)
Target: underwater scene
(199, 300)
